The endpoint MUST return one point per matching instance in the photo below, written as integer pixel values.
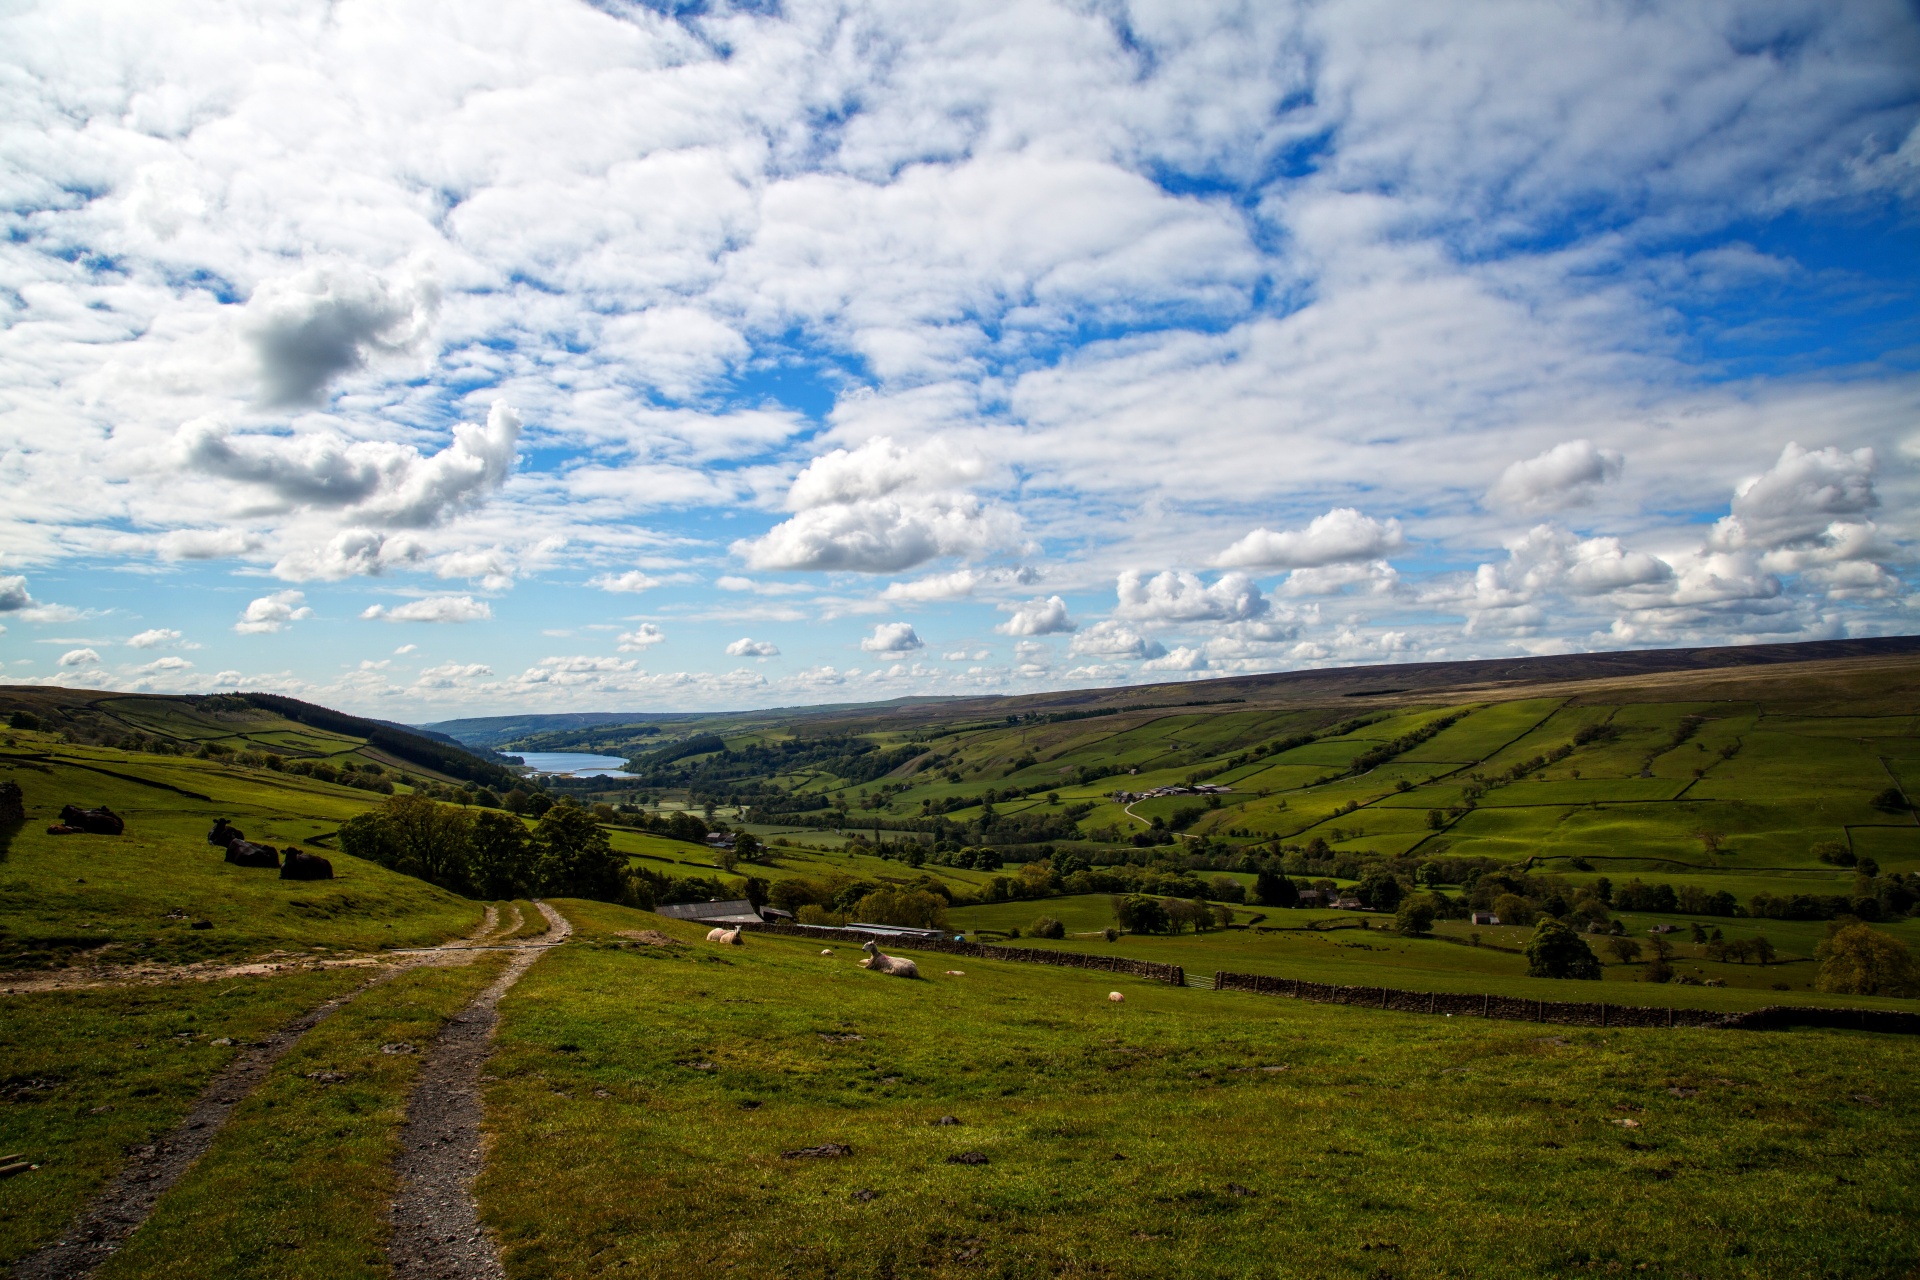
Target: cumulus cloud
(155, 638)
(746, 648)
(13, 595)
(1375, 577)
(432, 609)
(167, 665)
(892, 637)
(642, 637)
(1040, 617)
(632, 581)
(1564, 476)
(310, 327)
(1179, 596)
(1341, 534)
(276, 612)
(939, 586)
(207, 544)
(80, 658)
(1799, 498)
(380, 482)
(1179, 659)
(881, 508)
(1113, 639)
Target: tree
(1137, 913)
(908, 908)
(1415, 916)
(415, 836)
(1047, 927)
(576, 858)
(1858, 960)
(1624, 950)
(1833, 852)
(1513, 909)
(500, 856)
(1660, 965)
(1271, 890)
(1226, 889)
(1762, 950)
(1379, 891)
(747, 845)
(1555, 951)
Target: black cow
(305, 866)
(224, 833)
(13, 804)
(245, 853)
(99, 822)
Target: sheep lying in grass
(1116, 997)
(729, 936)
(880, 962)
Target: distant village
(1202, 789)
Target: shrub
(1047, 927)
(1555, 951)
(1833, 852)
(1513, 909)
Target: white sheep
(1116, 997)
(880, 962)
(826, 951)
(729, 936)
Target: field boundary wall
(1172, 974)
(1570, 1013)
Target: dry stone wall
(1569, 1013)
(1169, 973)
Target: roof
(732, 912)
(899, 931)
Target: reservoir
(578, 764)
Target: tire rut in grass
(129, 1197)
(437, 1234)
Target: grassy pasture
(298, 1182)
(645, 1096)
(91, 1074)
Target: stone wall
(1169, 973)
(1569, 1013)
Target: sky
(437, 359)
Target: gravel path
(437, 1234)
(128, 1199)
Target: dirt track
(128, 1199)
(437, 1234)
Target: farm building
(1483, 917)
(737, 911)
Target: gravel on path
(437, 1233)
(128, 1199)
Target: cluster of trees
(1141, 913)
(486, 853)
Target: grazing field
(656, 1103)
(648, 1094)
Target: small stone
(1628, 1123)
(865, 1195)
(100, 1111)
(948, 1120)
(399, 1047)
(225, 1041)
(826, 1150)
(967, 1157)
(326, 1077)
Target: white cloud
(13, 595)
(167, 665)
(939, 586)
(641, 638)
(80, 658)
(1179, 596)
(156, 638)
(881, 509)
(372, 481)
(276, 612)
(892, 637)
(1046, 616)
(317, 324)
(1341, 534)
(1376, 576)
(405, 649)
(1565, 475)
(1180, 659)
(1113, 639)
(632, 581)
(1804, 493)
(745, 648)
(432, 609)
(207, 544)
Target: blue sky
(636, 357)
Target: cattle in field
(99, 822)
(305, 866)
(224, 833)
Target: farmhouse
(713, 911)
(1483, 917)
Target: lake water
(579, 764)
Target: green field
(641, 1096)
